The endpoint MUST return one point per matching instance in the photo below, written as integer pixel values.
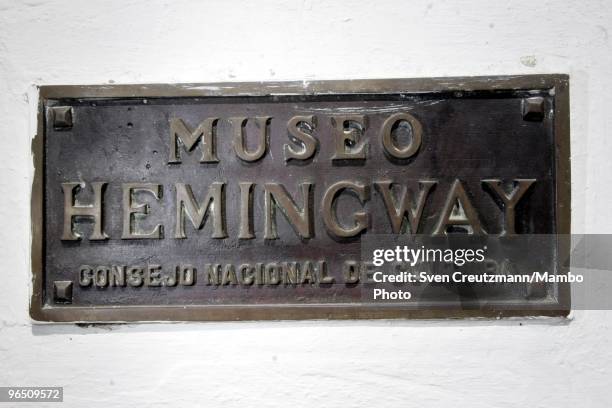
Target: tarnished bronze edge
(38, 312)
(563, 183)
(377, 86)
(37, 218)
(269, 312)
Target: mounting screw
(62, 117)
(62, 291)
(533, 109)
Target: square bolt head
(533, 109)
(62, 117)
(62, 291)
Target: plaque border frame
(557, 84)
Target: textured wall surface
(503, 363)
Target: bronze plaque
(239, 201)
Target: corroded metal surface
(249, 201)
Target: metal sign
(251, 200)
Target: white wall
(511, 363)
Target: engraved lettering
(85, 275)
(133, 210)
(307, 273)
(239, 142)
(179, 132)
(324, 278)
(214, 203)
(246, 211)
(405, 210)
(229, 275)
(73, 210)
(290, 272)
(101, 276)
(393, 124)
(350, 271)
(187, 275)
(328, 209)
(300, 130)
(276, 196)
(259, 274)
(509, 201)
(347, 132)
(117, 275)
(247, 274)
(273, 273)
(213, 274)
(153, 275)
(172, 279)
(458, 211)
(135, 276)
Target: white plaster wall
(512, 363)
